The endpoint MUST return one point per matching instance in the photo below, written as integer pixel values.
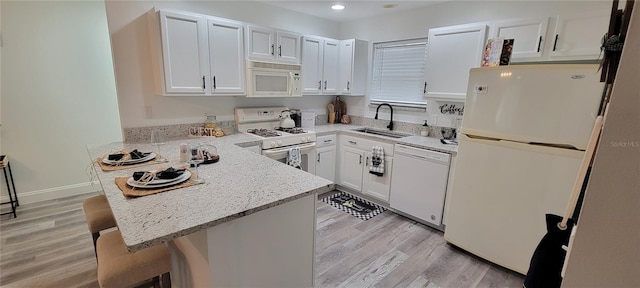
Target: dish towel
(377, 161)
(293, 158)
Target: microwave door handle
(290, 86)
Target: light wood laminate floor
(48, 245)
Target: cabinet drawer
(365, 144)
(326, 140)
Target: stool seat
(98, 213)
(117, 267)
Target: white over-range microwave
(266, 79)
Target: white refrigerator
(523, 136)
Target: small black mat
(353, 205)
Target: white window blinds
(398, 72)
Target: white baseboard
(55, 193)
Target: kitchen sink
(385, 133)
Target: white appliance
(273, 80)
(524, 132)
(277, 141)
(419, 183)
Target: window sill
(401, 106)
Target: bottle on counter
(424, 131)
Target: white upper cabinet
(312, 65)
(528, 34)
(226, 55)
(272, 45)
(184, 53)
(330, 66)
(319, 65)
(451, 52)
(353, 57)
(288, 47)
(578, 36)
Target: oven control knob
(303, 139)
(308, 138)
(273, 143)
(279, 142)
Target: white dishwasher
(419, 183)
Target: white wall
(415, 23)
(130, 41)
(606, 249)
(58, 91)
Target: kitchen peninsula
(252, 223)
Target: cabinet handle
(425, 88)
(353, 142)
(214, 82)
(318, 157)
(348, 85)
(279, 50)
(273, 49)
(366, 163)
(325, 85)
(203, 87)
(360, 159)
(555, 43)
(327, 141)
(320, 85)
(539, 42)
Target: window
(398, 72)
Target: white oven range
(264, 122)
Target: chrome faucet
(390, 120)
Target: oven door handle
(303, 149)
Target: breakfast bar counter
(252, 223)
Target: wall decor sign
(452, 109)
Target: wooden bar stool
(117, 267)
(13, 199)
(99, 216)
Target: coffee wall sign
(452, 109)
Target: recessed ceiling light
(337, 7)
(390, 5)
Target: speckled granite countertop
(239, 184)
(429, 143)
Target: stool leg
(166, 280)
(13, 184)
(95, 240)
(13, 203)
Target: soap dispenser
(424, 131)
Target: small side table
(13, 199)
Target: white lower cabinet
(374, 185)
(354, 161)
(326, 157)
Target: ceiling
(355, 9)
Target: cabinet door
(528, 35)
(580, 35)
(326, 163)
(351, 164)
(330, 66)
(184, 53)
(261, 44)
(452, 51)
(312, 65)
(288, 49)
(226, 55)
(345, 66)
(374, 185)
